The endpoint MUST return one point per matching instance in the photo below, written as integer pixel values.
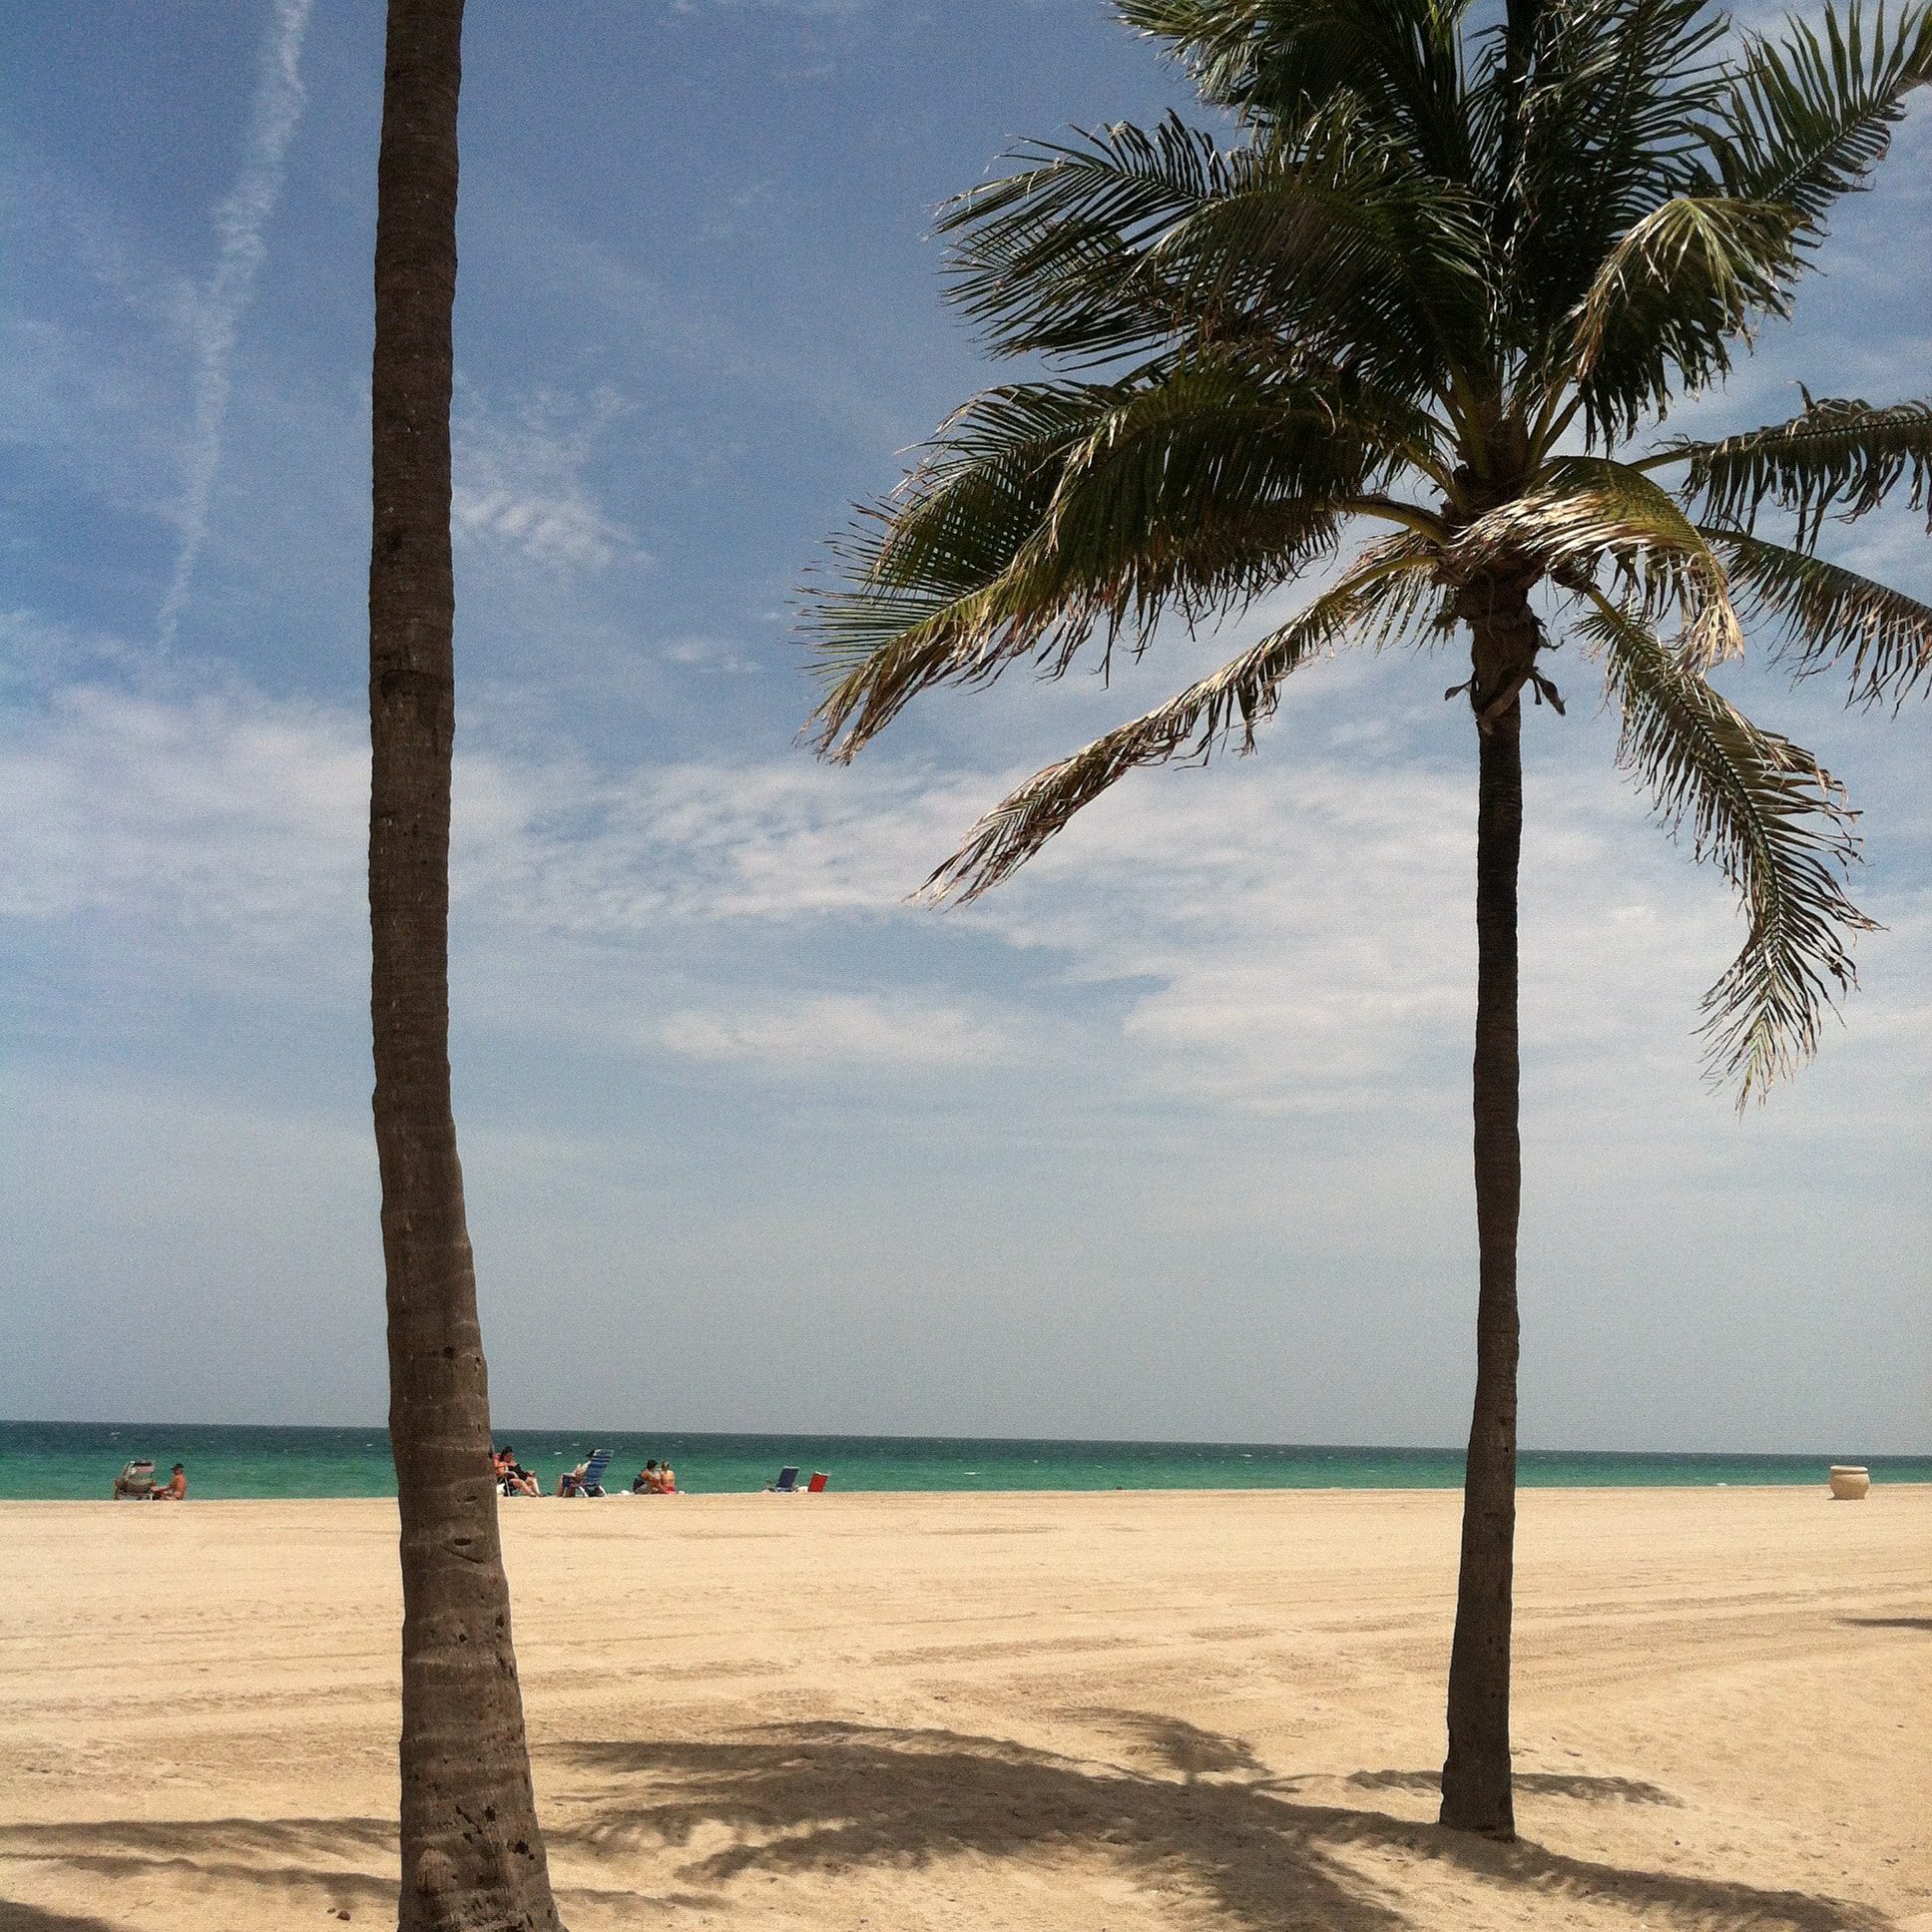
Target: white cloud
(709, 654)
(845, 1030)
(522, 482)
(226, 813)
(1278, 933)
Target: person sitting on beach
(666, 1480)
(512, 1476)
(572, 1483)
(174, 1490)
(648, 1482)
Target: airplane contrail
(240, 221)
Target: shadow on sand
(1194, 1817)
(36, 1918)
(1543, 1785)
(1889, 1622)
(823, 1797)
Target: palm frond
(1132, 240)
(1775, 822)
(1831, 616)
(1378, 598)
(1587, 515)
(1840, 457)
(1337, 247)
(1219, 41)
(1671, 293)
(958, 520)
(1050, 510)
(1282, 63)
(1588, 114)
(1054, 259)
(1807, 120)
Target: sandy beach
(1045, 1711)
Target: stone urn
(1849, 1480)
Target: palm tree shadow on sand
(1204, 1821)
(1191, 1815)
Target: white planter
(1849, 1480)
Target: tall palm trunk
(1476, 1776)
(472, 1855)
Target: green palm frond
(1219, 41)
(1138, 493)
(1831, 616)
(1377, 600)
(1840, 457)
(1054, 259)
(1334, 247)
(1136, 238)
(1669, 300)
(1775, 822)
(1807, 120)
(1588, 515)
(1588, 116)
(1050, 510)
(959, 520)
(1280, 63)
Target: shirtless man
(175, 1488)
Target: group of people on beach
(653, 1479)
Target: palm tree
(472, 1855)
(1440, 280)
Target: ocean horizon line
(508, 1431)
(73, 1461)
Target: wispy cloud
(241, 227)
(225, 814)
(522, 482)
(848, 1030)
(1259, 939)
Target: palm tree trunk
(472, 1855)
(1476, 1776)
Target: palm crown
(1429, 297)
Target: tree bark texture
(472, 1855)
(1476, 1793)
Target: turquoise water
(75, 1460)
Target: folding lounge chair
(816, 1487)
(136, 1480)
(786, 1485)
(591, 1481)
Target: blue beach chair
(786, 1485)
(591, 1481)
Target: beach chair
(590, 1481)
(136, 1481)
(816, 1487)
(786, 1485)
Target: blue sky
(1166, 1138)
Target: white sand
(1114, 1711)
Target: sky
(1166, 1138)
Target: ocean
(79, 1461)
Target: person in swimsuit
(174, 1490)
(666, 1480)
(512, 1476)
(648, 1481)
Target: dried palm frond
(1831, 614)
